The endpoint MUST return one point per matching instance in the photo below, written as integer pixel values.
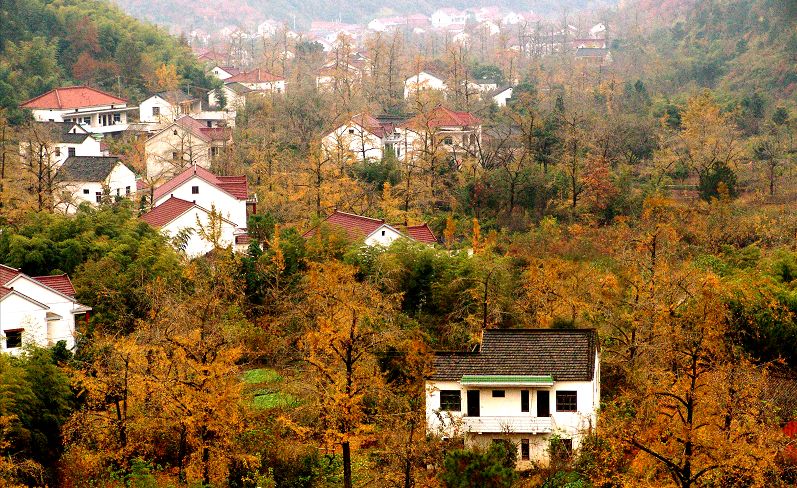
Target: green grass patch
(260, 375)
(265, 399)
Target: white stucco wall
(422, 81)
(383, 236)
(159, 149)
(167, 111)
(45, 115)
(501, 98)
(352, 138)
(38, 329)
(197, 246)
(118, 182)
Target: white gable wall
(353, 138)
(54, 331)
(422, 81)
(197, 246)
(228, 206)
(18, 313)
(383, 236)
(160, 148)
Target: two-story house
(259, 80)
(364, 137)
(168, 106)
(184, 143)
(524, 386)
(38, 310)
(374, 232)
(186, 201)
(441, 130)
(446, 17)
(94, 110)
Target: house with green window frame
(528, 387)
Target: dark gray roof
(565, 354)
(60, 131)
(175, 96)
(591, 52)
(86, 168)
(238, 88)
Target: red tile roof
(167, 211)
(60, 283)
(358, 227)
(73, 97)
(355, 226)
(237, 186)
(242, 239)
(201, 130)
(443, 117)
(255, 76)
(7, 274)
(421, 233)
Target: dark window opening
(524, 449)
(451, 400)
(156, 111)
(566, 401)
(85, 191)
(195, 190)
(499, 393)
(98, 197)
(13, 338)
(524, 400)
(127, 190)
(71, 151)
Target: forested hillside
(45, 43)
(726, 45)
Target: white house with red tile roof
(441, 129)
(362, 137)
(176, 217)
(374, 232)
(228, 194)
(259, 80)
(224, 72)
(95, 110)
(38, 310)
(184, 143)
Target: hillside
(46, 43)
(186, 15)
(725, 45)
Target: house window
(85, 191)
(215, 151)
(71, 151)
(524, 400)
(57, 151)
(118, 192)
(499, 393)
(174, 132)
(174, 155)
(98, 197)
(566, 401)
(524, 449)
(383, 233)
(156, 111)
(351, 131)
(127, 190)
(13, 338)
(117, 118)
(448, 141)
(562, 449)
(195, 190)
(451, 400)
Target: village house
(168, 106)
(94, 110)
(91, 179)
(233, 94)
(184, 204)
(364, 138)
(184, 143)
(593, 56)
(38, 310)
(60, 140)
(224, 72)
(259, 80)
(446, 17)
(501, 95)
(441, 129)
(373, 232)
(423, 81)
(526, 387)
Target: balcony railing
(519, 425)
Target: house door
(473, 403)
(543, 403)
